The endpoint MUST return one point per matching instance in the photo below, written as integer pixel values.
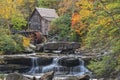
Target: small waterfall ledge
(59, 69)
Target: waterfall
(61, 70)
(51, 66)
(35, 67)
(81, 69)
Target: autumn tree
(97, 23)
(80, 21)
(48, 3)
(104, 34)
(15, 12)
(65, 7)
(9, 9)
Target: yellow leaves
(86, 4)
(9, 1)
(9, 8)
(19, 1)
(112, 5)
(26, 42)
(77, 24)
(85, 10)
(85, 13)
(104, 21)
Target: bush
(9, 43)
(61, 27)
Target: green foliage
(8, 44)
(18, 39)
(2, 76)
(18, 22)
(104, 34)
(104, 67)
(75, 36)
(61, 27)
(48, 3)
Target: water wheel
(38, 38)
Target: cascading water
(51, 66)
(81, 69)
(61, 70)
(35, 67)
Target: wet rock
(28, 50)
(69, 62)
(47, 76)
(16, 76)
(72, 78)
(34, 78)
(84, 77)
(12, 68)
(40, 47)
(45, 61)
(87, 60)
(25, 61)
(115, 75)
(61, 45)
(68, 51)
(32, 46)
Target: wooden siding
(45, 26)
(39, 23)
(35, 22)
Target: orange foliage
(91, 0)
(75, 19)
(84, 9)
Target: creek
(34, 65)
(78, 69)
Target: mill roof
(46, 13)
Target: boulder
(71, 78)
(87, 59)
(43, 61)
(32, 46)
(27, 61)
(34, 78)
(28, 50)
(8, 68)
(84, 77)
(16, 76)
(69, 62)
(47, 76)
(40, 47)
(66, 78)
(61, 45)
(24, 61)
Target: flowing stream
(61, 70)
(35, 67)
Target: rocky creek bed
(46, 62)
(64, 66)
(22, 64)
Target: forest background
(93, 23)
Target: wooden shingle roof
(46, 13)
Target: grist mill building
(40, 19)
